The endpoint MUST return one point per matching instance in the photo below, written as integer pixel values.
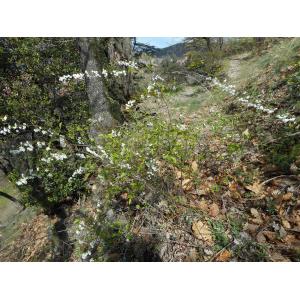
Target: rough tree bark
(105, 98)
(120, 49)
(102, 119)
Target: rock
(110, 215)
(261, 238)
(282, 232)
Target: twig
(280, 176)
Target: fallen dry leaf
(255, 188)
(178, 174)
(202, 232)
(203, 205)
(201, 192)
(252, 228)
(270, 235)
(277, 257)
(214, 210)
(287, 196)
(286, 224)
(257, 221)
(255, 213)
(194, 166)
(224, 256)
(124, 196)
(187, 184)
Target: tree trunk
(100, 110)
(118, 49)
(207, 39)
(220, 42)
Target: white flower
(92, 152)
(79, 171)
(40, 144)
(59, 156)
(24, 180)
(157, 77)
(115, 133)
(129, 104)
(104, 73)
(80, 155)
(131, 64)
(85, 255)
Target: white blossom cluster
(80, 232)
(151, 87)
(80, 155)
(24, 179)
(54, 156)
(115, 133)
(228, 88)
(4, 118)
(92, 152)
(103, 154)
(26, 146)
(129, 104)
(92, 74)
(13, 128)
(130, 64)
(78, 171)
(152, 167)
(86, 256)
(285, 118)
(125, 166)
(117, 73)
(157, 78)
(17, 128)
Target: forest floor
(238, 212)
(235, 206)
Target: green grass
(8, 188)
(189, 105)
(278, 56)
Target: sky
(160, 42)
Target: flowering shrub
(131, 156)
(56, 174)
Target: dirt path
(234, 69)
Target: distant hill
(174, 50)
